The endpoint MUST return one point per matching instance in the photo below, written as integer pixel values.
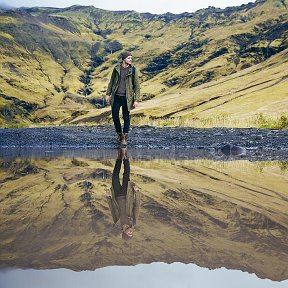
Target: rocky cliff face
(49, 53)
(214, 214)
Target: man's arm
(109, 88)
(136, 87)
(136, 206)
(113, 206)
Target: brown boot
(120, 138)
(124, 140)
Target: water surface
(225, 219)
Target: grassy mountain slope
(235, 100)
(55, 63)
(54, 214)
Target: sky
(152, 6)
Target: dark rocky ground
(145, 141)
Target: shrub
(281, 122)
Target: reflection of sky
(141, 276)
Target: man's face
(128, 60)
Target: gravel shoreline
(252, 140)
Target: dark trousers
(120, 101)
(121, 190)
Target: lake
(198, 221)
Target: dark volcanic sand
(258, 144)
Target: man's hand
(135, 104)
(108, 192)
(107, 99)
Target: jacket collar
(118, 68)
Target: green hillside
(257, 96)
(56, 63)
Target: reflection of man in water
(123, 200)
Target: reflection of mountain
(214, 214)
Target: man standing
(123, 91)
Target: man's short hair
(125, 54)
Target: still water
(182, 221)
